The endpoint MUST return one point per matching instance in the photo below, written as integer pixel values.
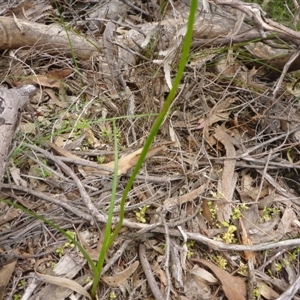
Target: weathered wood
(52, 38)
(11, 102)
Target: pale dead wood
(11, 102)
(291, 291)
(148, 273)
(52, 39)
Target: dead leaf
(171, 202)
(286, 220)
(247, 241)
(124, 163)
(120, 278)
(170, 55)
(204, 275)
(63, 152)
(127, 162)
(173, 135)
(55, 100)
(15, 174)
(234, 287)
(206, 211)
(218, 113)
(249, 190)
(229, 177)
(59, 74)
(161, 274)
(93, 253)
(43, 80)
(9, 215)
(196, 289)
(64, 282)
(28, 127)
(5, 273)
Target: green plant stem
(159, 120)
(108, 239)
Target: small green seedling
(190, 245)
(112, 295)
(17, 296)
(221, 262)
(269, 213)
(278, 267)
(22, 283)
(60, 250)
(256, 293)
(238, 211)
(140, 215)
(229, 237)
(101, 159)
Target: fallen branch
(11, 102)
(52, 39)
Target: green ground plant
(190, 244)
(269, 213)
(140, 215)
(67, 245)
(220, 261)
(17, 296)
(229, 235)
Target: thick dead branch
(11, 102)
(49, 38)
(223, 27)
(270, 68)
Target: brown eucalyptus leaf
(64, 282)
(119, 278)
(234, 287)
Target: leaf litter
(229, 145)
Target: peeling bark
(53, 39)
(11, 102)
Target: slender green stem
(108, 239)
(163, 113)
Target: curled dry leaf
(234, 287)
(42, 80)
(171, 202)
(5, 273)
(247, 241)
(127, 162)
(196, 289)
(15, 174)
(59, 74)
(124, 164)
(120, 278)
(204, 275)
(61, 285)
(229, 177)
(64, 282)
(92, 253)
